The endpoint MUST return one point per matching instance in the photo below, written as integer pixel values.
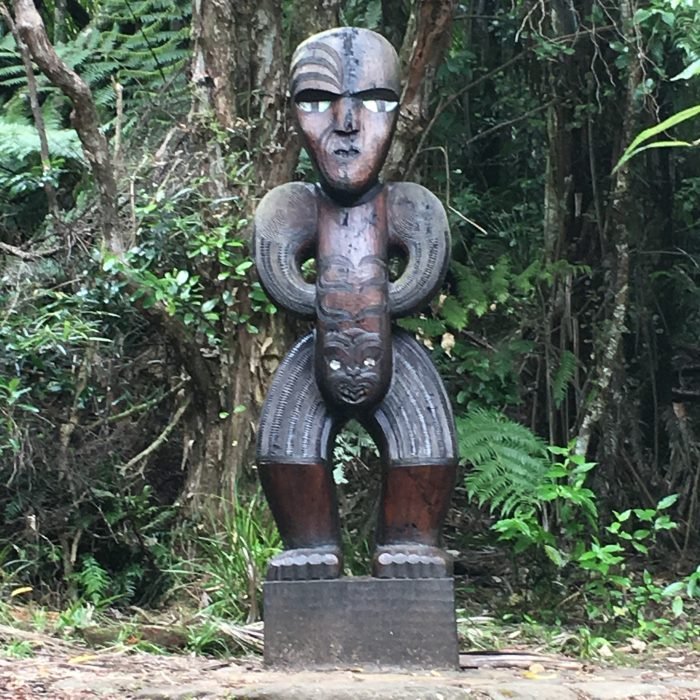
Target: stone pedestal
(361, 622)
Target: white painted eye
(380, 105)
(320, 106)
(369, 362)
(334, 365)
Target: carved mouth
(352, 394)
(351, 152)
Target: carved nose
(347, 122)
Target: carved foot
(411, 561)
(306, 564)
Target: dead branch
(36, 111)
(509, 122)
(515, 659)
(27, 254)
(160, 439)
(138, 408)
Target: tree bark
(608, 339)
(427, 38)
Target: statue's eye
(369, 362)
(315, 106)
(334, 365)
(380, 105)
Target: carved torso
(353, 299)
(353, 336)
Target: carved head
(345, 87)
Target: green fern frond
(470, 289)
(454, 313)
(508, 461)
(19, 140)
(564, 375)
(430, 327)
(499, 280)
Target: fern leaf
(454, 313)
(508, 461)
(564, 375)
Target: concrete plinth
(361, 622)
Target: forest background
(136, 138)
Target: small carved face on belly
(351, 367)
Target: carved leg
(414, 428)
(293, 442)
(415, 500)
(303, 503)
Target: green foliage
(230, 564)
(142, 44)
(508, 462)
(636, 146)
(197, 269)
(564, 374)
(20, 649)
(561, 521)
(362, 13)
(93, 581)
(21, 175)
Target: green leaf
(208, 305)
(242, 267)
(564, 375)
(645, 135)
(667, 502)
(689, 71)
(677, 606)
(182, 277)
(673, 588)
(454, 313)
(555, 555)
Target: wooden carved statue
(344, 86)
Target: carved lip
(350, 152)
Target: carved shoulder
(284, 229)
(417, 223)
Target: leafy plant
(93, 582)
(507, 461)
(231, 563)
(19, 649)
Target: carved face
(345, 88)
(351, 366)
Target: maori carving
(344, 85)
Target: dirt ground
(70, 672)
